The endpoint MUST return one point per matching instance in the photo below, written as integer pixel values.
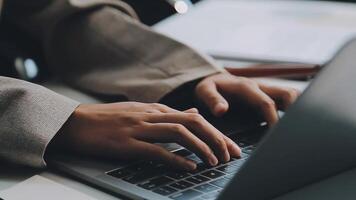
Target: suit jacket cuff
(31, 117)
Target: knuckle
(172, 159)
(269, 103)
(291, 94)
(152, 111)
(196, 118)
(205, 149)
(156, 105)
(295, 92)
(220, 143)
(247, 83)
(157, 151)
(178, 129)
(201, 86)
(130, 119)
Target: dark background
(152, 11)
(15, 44)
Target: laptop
(315, 139)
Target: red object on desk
(276, 70)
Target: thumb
(208, 93)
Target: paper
(40, 188)
(293, 31)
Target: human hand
(220, 91)
(128, 130)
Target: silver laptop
(315, 139)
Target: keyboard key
(200, 167)
(181, 185)
(146, 165)
(178, 175)
(238, 162)
(194, 158)
(249, 149)
(137, 167)
(205, 188)
(165, 190)
(156, 182)
(197, 179)
(229, 176)
(119, 173)
(244, 155)
(242, 144)
(213, 174)
(222, 182)
(186, 195)
(229, 168)
(183, 152)
(142, 176)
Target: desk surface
(10, 176)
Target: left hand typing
(220, 91)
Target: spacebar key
(139, 177)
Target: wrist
(60, 141)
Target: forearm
(30, 117)
(114, 54)
(99, 47)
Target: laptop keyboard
(205, 182)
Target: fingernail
(227, 157)
(193, 110)
(237, 151)
(213, 161)
(220, 108)
(190, 165)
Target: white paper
(292, 31)
(40, 188)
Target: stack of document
(269, 30)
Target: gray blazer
(98, 46)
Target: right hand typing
(129, 130)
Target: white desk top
(10, 176)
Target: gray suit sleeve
(30, 116)
(99, 46)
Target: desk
(10, 175)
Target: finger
(200, 127)
(209, 94)
(233, 148)
(192, 110)
(155, 152)
(163, 108)
(268, 108)
(256, 97)
(177, 133)
(284, 95)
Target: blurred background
(153, 11)
(24, 56)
